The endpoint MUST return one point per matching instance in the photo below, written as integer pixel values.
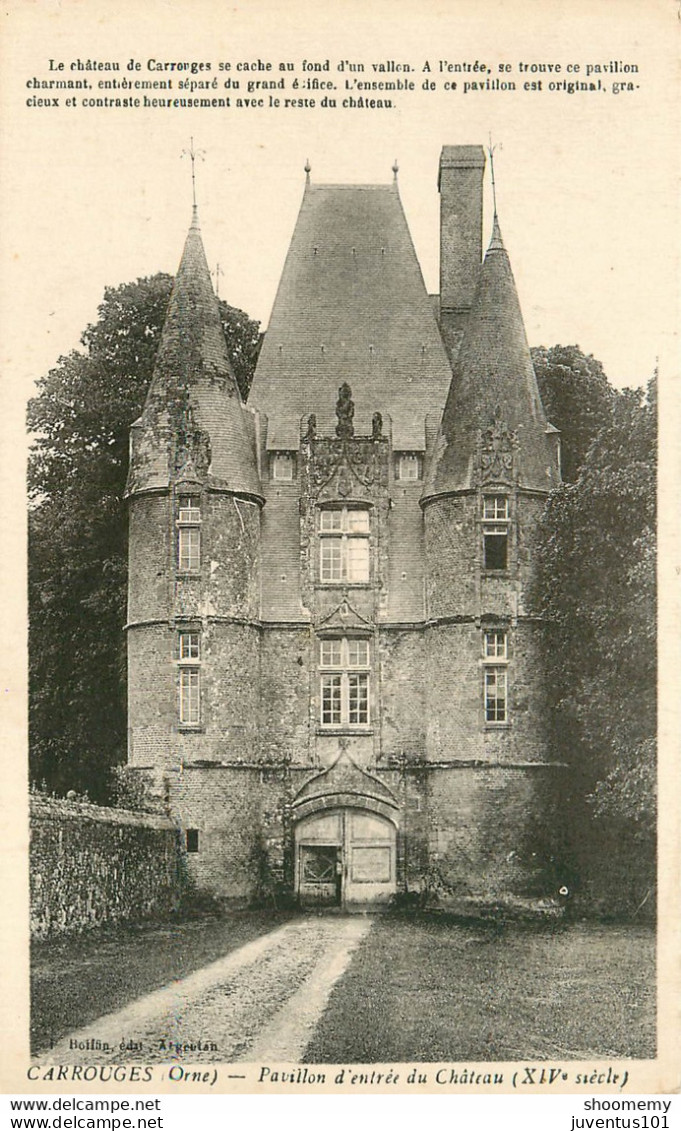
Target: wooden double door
(345, 858)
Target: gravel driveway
(262, 1001)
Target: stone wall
(493, 830)
(90, 866)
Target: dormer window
(408, 466)
(495, 519)
(282, 465)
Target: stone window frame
(188, 526)
(495, 676)
(345, 538)
(496, 526)
(351, 673)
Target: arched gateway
(345, 837)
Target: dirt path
(262, 1001)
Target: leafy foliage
(78, 531)
(577, 397)
(595, 584)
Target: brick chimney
(460, 187)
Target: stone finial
(345, 411)
(376, 426)
(311, 426)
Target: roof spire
(494, 404)
(496, 242)
(396, 169)
(192, 154)
(308, 170)
(490, 150)
(193, 419)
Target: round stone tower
(493, 465)
(194, 531)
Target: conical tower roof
(194, 426)
(493, 401)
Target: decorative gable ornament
(497, 446)
(345, 616)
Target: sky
(585, 183)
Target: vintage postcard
(342, 733)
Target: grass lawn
(427, 990)
(74, 981)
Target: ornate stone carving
(192, 450)
(376, 426)
(497, 446)
(345, 411)
(341, 466)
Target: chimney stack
(460, 187)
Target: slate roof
(493, 369)
(193, 368)
(351, 306)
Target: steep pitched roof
(494, 382)
(193, 404)
(351, 306)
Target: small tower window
(496, 645)
(190, 647)
(188, 533)
(408, 466)
(192, 840)
(189, 678)
(496, 695)
(495, 532)
(188, 549)
(190, 697)
(495, 675)
(283, 466)
(189, 509)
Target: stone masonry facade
(334, 674)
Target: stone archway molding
(306, 807)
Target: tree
(577, 397)
(595, 586)
(78, 531)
